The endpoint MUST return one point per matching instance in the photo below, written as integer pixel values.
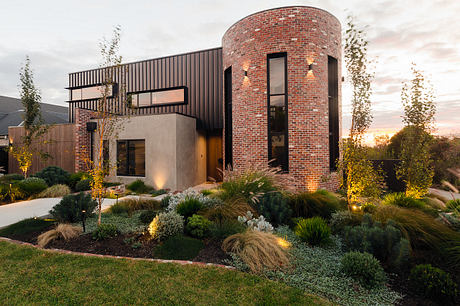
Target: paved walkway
(12, 213)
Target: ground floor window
(131, 157)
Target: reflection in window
(88, 93)
(131, 157)
(170, 96)
(277, 110)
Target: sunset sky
(62, 37)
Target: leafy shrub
(189, 207)
(65, 231)
(105, 231)
(147, 216)
(83, 185)
(165, 201)
(76, 177)
(364, 268)
(198, 226)
(256, 224)
(179, 248)
(343, 218)
(166, 225)
(26, 226)
(275, 208)
(55, 191)
(221, 230)
(9, 178)
(314, 231)
(385, 243)
(54, 175)
(32, 185)
(401, 200)
(307, 205)
(11, 192)
(69, 209)
(138, 186)
(368, 208)
(258, 250)
(433, 283)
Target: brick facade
(308, 35)
(82, 139)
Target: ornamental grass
(64, 231)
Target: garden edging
(60, 251)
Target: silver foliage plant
(166, 225)
(257, 224)
(190, 193)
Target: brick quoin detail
(82, 139)
(306, 34)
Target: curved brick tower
(284, 67)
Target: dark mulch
(30, 237)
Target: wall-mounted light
(310, 67)
(245, 72)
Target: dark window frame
(185, 88)
(114, 91)
(285, 166)
(228, 117)
(333, 112)
(127, 158)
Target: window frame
(185, 88)
(71, 89)
(284, 167)
(127, 158)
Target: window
(131, 157)
(228, 117)
(333, 91)
(277, 110)
(106, 156)
(159, 97)
(89, 93)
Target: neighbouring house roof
(11, 112)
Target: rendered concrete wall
(172, 150)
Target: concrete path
(12, 213)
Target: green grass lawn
(31, 276)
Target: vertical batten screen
(277, 110)
(333, 91)
(228, 117)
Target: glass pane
(168, 96)
(76, 94)
(136, 157)
(278, 150)
(277, 75)
(144, 99)
(134, 101)
(122, 158)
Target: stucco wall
(172, 144)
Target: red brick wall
(307, 35)
(82, 139)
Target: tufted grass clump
(64, 231)
(313, 231)
(55, 191)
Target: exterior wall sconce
(310, 67)
(245, 72)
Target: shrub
(198, 226)
(206, 192)
(275, 208)
(179, 248)
(176, 199)
(55, 191)
(165, 201)
(343, 218)
(138, 186)
(147, 216)
(158, 192)
(129, 206)
(54, 175)
(229, 209)
(258, 250)
(401, 200)
(105, 231)
(11, 192)
(189, 207)
(314, 231)
(221, 230)
(364, 268)
(166, 225)
(307, 205)
(26, 226)
(65, 231)
(9, 178)
(252, 181)
(76, 177)
(433, 283)
(385, 243)
(69, 209)
(119, 208)
(32, 185)
(256, 224)
(83, 185)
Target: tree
(109, 123)
(359, 179)
(33, 123)
(416, 168)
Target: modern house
(271, 93)
(11, 115)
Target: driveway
(12, 213)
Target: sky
(63, 36)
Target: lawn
(31, 276)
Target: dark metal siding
(200, 72)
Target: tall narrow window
(333, 90)
(277, 110)
(228, 117)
